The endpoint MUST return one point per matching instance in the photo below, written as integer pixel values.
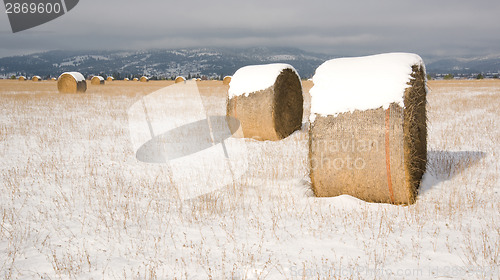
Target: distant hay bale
(226, 80)
(53, 79)
(267, 100)
(198, 79)
(71, 82)
(36, 79)
(136, 79)
(22, 78)
(180, 79)
(126, 79)
(368, 133)
(144, 79)
(110, 79)
(97, 80)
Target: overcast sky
(439, 27)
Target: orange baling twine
(388, 152)
(235, 102)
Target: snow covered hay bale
(97, 80)
(267, 100)
(135, 79)
(144, 79)
(22, 78)
(126, 79)
(36, 79)
(368, 133)
(110, 79)
(71, 82)
(180, 79)
(226, 80)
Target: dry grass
(74, 204)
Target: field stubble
(74, 202)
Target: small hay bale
(71, 82)
(126, 79)
(144, 79)
(110, 79)
(368, 133)
(180, 79)
(22, 78)
(97, 80)
(53, 79)
(135, 79)
(198, 79)
(36, 79)
(226, 80)
(267, 100)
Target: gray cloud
(426, 27)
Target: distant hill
(212, 62)
(486, 64)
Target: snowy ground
(75, 203)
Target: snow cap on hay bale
(179, 79)
(22, 78)
(110, 79)
(36, 79)
(71, 82)
(53, 79)
(267, 100)
(97, 80)
(368, 133)
(126, 79)
(136, 79)
(144, 79)
(226, 80)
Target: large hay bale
(267, 100)
(71, 82)
(36, 79)
(368, 133)
(180, 79)
(97, 80)
(22, 78)
(144, 79)
(226, 80)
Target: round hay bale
(126, 79)
(226, 80)
(71, 82)
(144, 79)
(53, 79)
(110, 79)
(97, 80)
(267, 100)
(36, 79)
(180, 79)
(22, 78)
(136, 79)
(368, 133)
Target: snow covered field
(75, 203)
